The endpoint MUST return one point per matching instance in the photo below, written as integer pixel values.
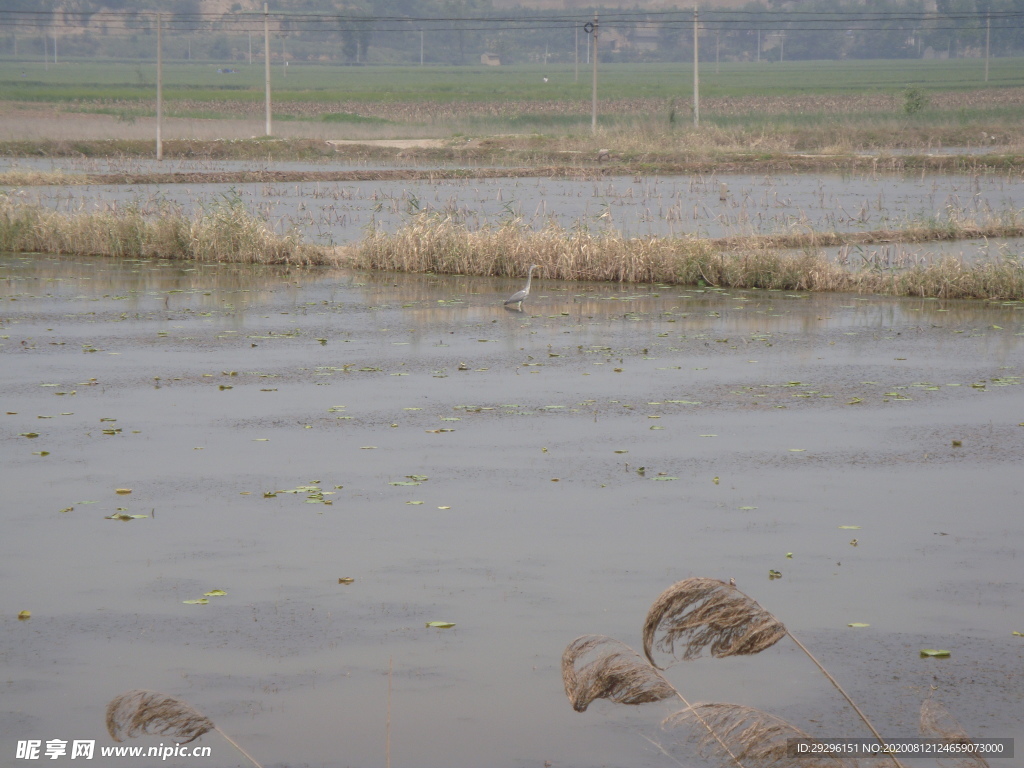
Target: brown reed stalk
(387, 727)
(139, 711)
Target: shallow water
(708, 206)
(219, 384)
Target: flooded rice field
(349, 456)
(332, 213)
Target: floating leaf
(858, 624)
(24, 615)
(849, 527)
(30, 434)
(198, 601)
(345, 580)
(441, 624)
(932, 652)
(444, 507)
(123, 491)
(747, 509)
(414, 503)
(215, 593)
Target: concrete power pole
(266, 62)
(696, 70)
(159, 86)
(593, 87)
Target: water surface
(581, 456)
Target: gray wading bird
(519, 296)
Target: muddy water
(580, 457)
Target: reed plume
(138, 711)
(692, 616)
(701, 613)
(937, 722)
(613, 670)
(610, 670)
(755, 737)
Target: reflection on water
(528, 476)
(427, 299)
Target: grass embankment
(430, 243)
(574, 165)
(226, 233)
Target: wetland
(528, 477)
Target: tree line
(457, 32)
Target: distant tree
(220, 48)
(363, 36)
(349, 44)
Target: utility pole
(159, 86)
(988, 38)
(266, 61)
(696, 70)
(575, 52)
(593, 87)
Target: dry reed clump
(26, 178)
(431, 242)
(226, 233)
